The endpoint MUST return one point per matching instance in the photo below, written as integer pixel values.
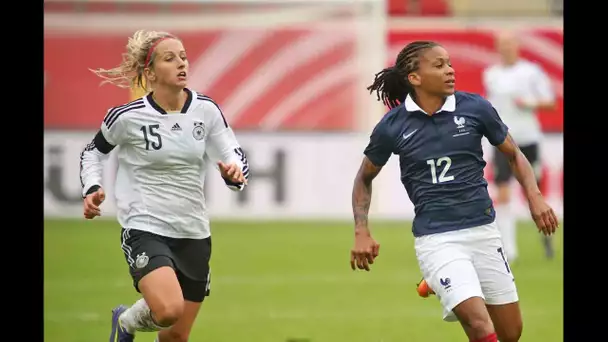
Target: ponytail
(390, 86)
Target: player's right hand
(364, 252)
(92, 203)
(543, 215)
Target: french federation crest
(199, 130)
(459, 121)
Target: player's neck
(430, 104)
(510, 61)
(170, 100)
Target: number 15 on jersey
(151, 131)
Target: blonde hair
(130, 72)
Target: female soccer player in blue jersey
(437, 132)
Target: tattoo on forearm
(362, 192)
(362, 197)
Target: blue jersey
(441, 159)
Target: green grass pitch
(282, 281)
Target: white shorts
(466, 263)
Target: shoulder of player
(205, 102)
(120, 112)
(208, 109)
(392, 120)
(530, 66)
(465, 100)
(465, 96)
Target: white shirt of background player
(517, 88)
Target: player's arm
(377, 153)
(362, 194)
(541, 85)
(224, 149)
(91, 164)
(497, 133)
(521, 167)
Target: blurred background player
(437, 134)
(166, 139)
(517, 88)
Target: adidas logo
(176, 127)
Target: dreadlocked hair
(391, 84)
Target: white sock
(507, 226)
(139, 318)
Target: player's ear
(414, 79)
(150, 75)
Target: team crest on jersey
(460, 121)
(446, 283)
(142, 260)
(199, 130)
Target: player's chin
(181, 82)
(449, 89)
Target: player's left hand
(543, 215)
(232, 172)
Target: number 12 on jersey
(435, 164)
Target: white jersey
(523, 80)
(162, 159)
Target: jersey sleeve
(541, 85)
(493, 127)
(223, 145)
(380, 146)
(97, 151)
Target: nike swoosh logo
(410, 134)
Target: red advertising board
(255, 76)
(256, 94)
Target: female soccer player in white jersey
(165, 142)
(517, 88)
(437, 132)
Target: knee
(168, 313)
(479, 325)
(512, 334)
(175, 335)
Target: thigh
(192, 258)
(455, 283)
(507, 321)
(450, 273)
(495, 275)
(163, 294)
(144, 253)
(194, 290)
(502, 169)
